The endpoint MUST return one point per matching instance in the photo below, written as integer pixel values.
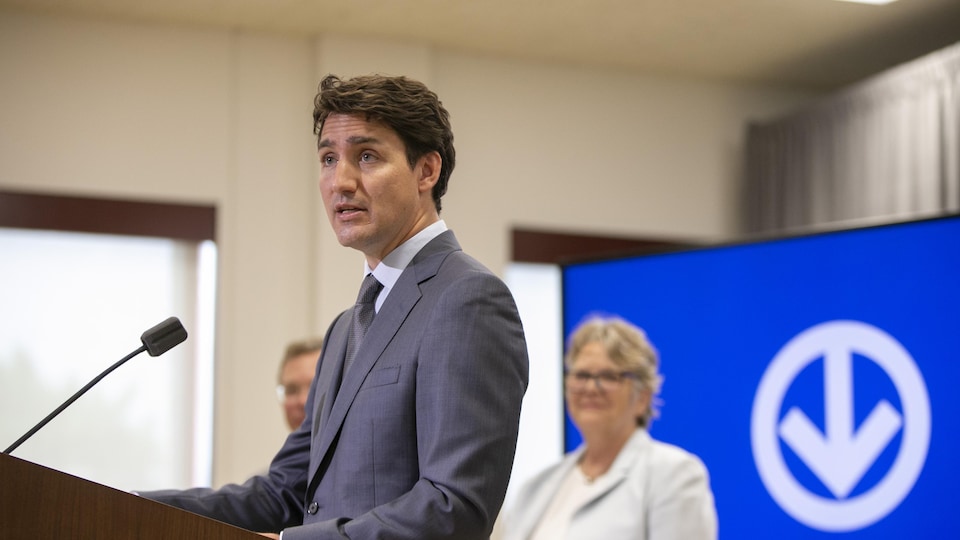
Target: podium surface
(39, 502)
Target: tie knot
(368, 290)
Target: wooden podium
(40, 503)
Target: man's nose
(346, 176)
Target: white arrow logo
(841, 456)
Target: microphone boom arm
(73, 398)
(156, 341)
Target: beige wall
(218, 117)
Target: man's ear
(429, 168)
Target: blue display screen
(817, 377)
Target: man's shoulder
(444, 255)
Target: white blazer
(653, 491)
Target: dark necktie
(363, 314)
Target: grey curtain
(886, 148)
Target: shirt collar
(390, 268)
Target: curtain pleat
(888, 147)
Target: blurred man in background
(297, 368)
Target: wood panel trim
(538, 246)
(110, 216)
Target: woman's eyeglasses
(606, 381)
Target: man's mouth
(347, 209)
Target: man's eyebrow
(356, 139)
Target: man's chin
(349, 238)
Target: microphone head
(164, 336)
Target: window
(71, 305)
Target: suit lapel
(337, 343)
(398, 305)
(335, 347)
(547, 490)
(621, 467)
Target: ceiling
(808, 44)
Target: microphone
(156, 341)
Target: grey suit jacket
(419, 440)
(653, 491)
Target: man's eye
(326, 159)
(367, 157)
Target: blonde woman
(620, 483)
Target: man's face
(295, 379)
(375, 201)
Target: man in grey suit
(413, 438)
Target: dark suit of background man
(418, 439)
